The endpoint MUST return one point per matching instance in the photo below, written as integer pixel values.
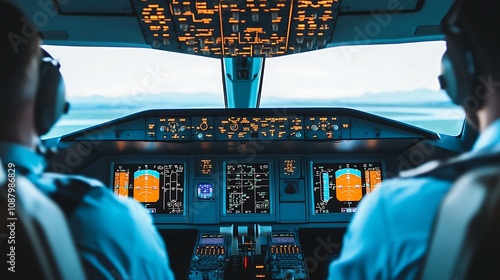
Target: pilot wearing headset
(115, 238)
(389, 234)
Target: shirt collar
(489, 137)
(22, 157)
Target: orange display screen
(159, 187)
(338, 187)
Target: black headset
(51, 95)
(459, 65)
(459, 74)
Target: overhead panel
(255, 27)
(227, 28)
(196, 23)
(95, 7)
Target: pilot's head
(19, 57)
(33, 92)
(471, 64)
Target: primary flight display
(338, 187)
(160, 187)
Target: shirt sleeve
(388, 235)
(116, 239)
(363, 248)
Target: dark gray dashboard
(210, 167)
(319, 124)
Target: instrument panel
(231, 189)
(204, 170)
(282, 165)
(216, 166)
(278, 124)
(247, 128)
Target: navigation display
(283, 238)
(247, 188)
(205, 190)
(338, 187)
(211, 239)
(160, 187)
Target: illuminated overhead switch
(190, 42)
(166, 41)
(257, 50)
(235, 28)
(255, 16)
(232, 50)
(202, 43)
(177, 10)
(236, 16)
(274, 49)
(310, 43)
(321, 42)
(156, 44)
(275, 27)
(297, 49)
(274, 15)
(300, 39)
(184, 27)
(191, 49)
(187, 8)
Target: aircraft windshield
(106, 83)
(395, 81)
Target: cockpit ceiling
(68, 7)
(226, 28)
(238, 28)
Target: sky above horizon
(327, 73)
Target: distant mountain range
(418, 97)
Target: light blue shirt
(388, 235)
(115, 237)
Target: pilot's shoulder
(399, 197)
(423, 169)
(404, 189)
(97, 198)
(73, 180)
(451, 168)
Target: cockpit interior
(245, 191)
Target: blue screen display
(205, 190)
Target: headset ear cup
(458, 70)
(449, 79)
(51, 96)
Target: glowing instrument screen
(160, 187)
(247, 188)
(338, 187)
(283, 238)
(211, 239)
(205, 190)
